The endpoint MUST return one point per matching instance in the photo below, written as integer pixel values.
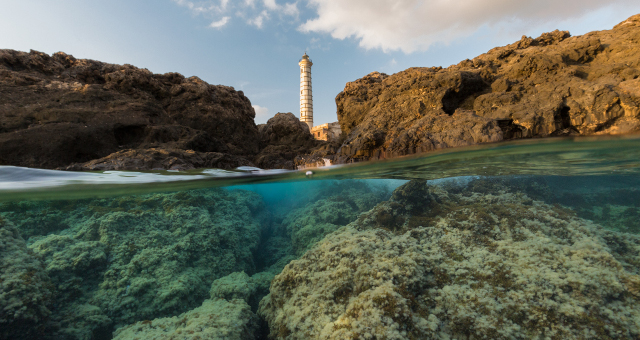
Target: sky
(255, 45)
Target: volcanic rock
(283, 138)
(58, 110)
(161, 159)
(553, 85)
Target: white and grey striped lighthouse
(306, 98)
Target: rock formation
(25, 288)
(61, 112)
(115, 261)
(283, 138)
(482, 260)
(553, 85)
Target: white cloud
(291, 9)
(200, 7)
(412, 25)
(253, 12)
(259, 20)
(270, 4)
(219, 23)
(262, 113)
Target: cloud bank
(414, 25)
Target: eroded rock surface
(58, 110)
(283, 138)
(553, 85)
(474, 261)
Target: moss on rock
(466, 264)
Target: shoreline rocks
(59, 112)
(553, 85)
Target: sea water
(531, 239)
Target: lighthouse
(306, 98)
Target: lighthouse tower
(306, 99)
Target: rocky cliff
(61, 112)
(553, 85)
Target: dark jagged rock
(283, 138)
(58, 110)
(553, 85)
(161, 159)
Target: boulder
(283, 138)
(58, 110)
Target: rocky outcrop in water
(58, 110)
(283, 138)
(553, 85)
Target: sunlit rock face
(552, 85)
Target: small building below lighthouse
(306, 96)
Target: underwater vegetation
(482, 260)
(169, 263)
(518, 257)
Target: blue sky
(255, 45)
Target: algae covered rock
(226, 315)
(233, 286)
(461, 264)
(215, 319)
(119, 260)
(335, 206)
(25, 289)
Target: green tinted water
(531, 239)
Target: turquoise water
(536, 239)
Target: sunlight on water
(531, 239)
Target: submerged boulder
(215, 319)
(449, 262)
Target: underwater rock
(461, 264)
(26, 291)
(134, 258)
(215, 319)
(233, 286)
(305, 226)
(225, 316)
(553, 85)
